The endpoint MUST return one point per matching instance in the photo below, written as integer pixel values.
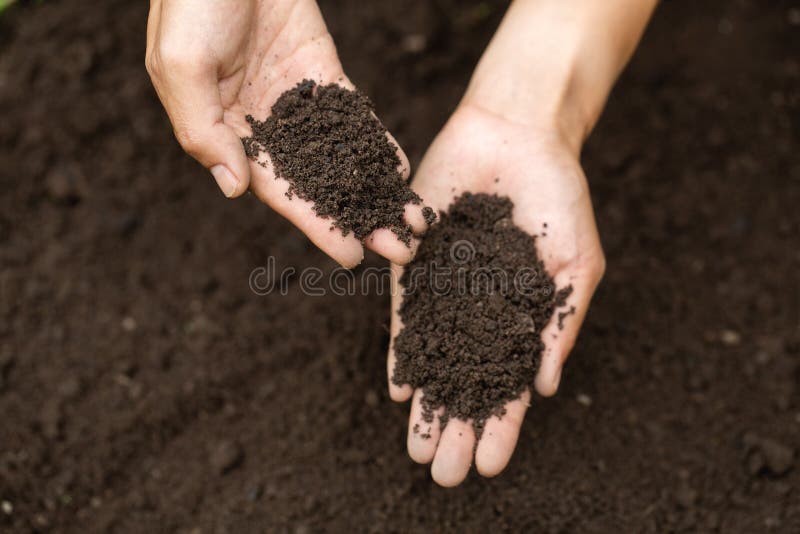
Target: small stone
(779, 457)
(64, 184)
(226, 456)
(255, 492)
(371, 398)
(414, 43)
(584, 400)
(128, 324)
(7, 507)
(730, 338)
(765, 453)
(762, 357)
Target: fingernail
(226, 180)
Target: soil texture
(145, 387)
(328, 144)
(476, 298)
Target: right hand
(214, 64)
(481, 152)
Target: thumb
(189, 91)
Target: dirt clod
(768, 454)
(226, 456)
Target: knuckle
(172, 55)
(188, 140)
(151, 64)
(599, 266)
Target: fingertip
(349, 259)
(500, 437)
(547, 381)
(415, 217)
(423, 432)
(227, 181)
(386, 243)
(453, 456)
(400, 393)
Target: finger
(559, 339)
(404, 392)
(423, 436)
(187, 85)
(386, 243)
(500, 438)
(346, 250)
(415, 218)
(405, 164)
(454, 454)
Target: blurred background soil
(145, 388)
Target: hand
(540, 173)
(214, 64)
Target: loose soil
(328, 144)
(476, 298)
(145, 388)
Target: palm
(256, 51)
(479, 152)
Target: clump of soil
(326, 141)
(476, 300)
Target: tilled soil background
(145, 388)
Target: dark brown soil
(145, 388)
(476, 298)
(328, 144)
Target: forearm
(552, 63)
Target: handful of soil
(476, 299)
(328, 144)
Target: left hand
(542, 176)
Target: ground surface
(145, 388)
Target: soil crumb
(326, 141)
(476, 299)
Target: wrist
(552, 63)
(549, 103)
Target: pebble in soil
(476, 299)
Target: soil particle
(764, 454)
(563, 315)
(327, 143)
(65, 184)
(476, 299)
(226, 456)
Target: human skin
(215, 64)
(534, 98)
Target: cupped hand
(215, 63)
(480, 152)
